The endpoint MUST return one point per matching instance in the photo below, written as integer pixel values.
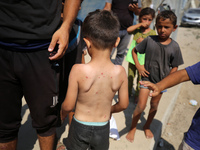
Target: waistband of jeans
(102, 125)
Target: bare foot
(130, 135)
(148, 133)
(60, 146)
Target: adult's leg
(39, 78)
(10, 102)
(152, 112)
(9, 145)
(143, 96)
(122, 47)
(47, 143)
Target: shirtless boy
(92, 86)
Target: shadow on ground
(164, 145)
(27, 136)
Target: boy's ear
(175, 27)
(88, 43)
(117, 42)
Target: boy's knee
(154, 105)
(140, 108)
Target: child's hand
(143, 72)
(139, 40)
(144, 25)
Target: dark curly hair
(147, 11)
(167, 14)
(102, 28)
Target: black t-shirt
(120, 8)
(22, 21)
(159, 58)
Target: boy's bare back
(97, 84)
(92, 86)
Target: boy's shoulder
(152, 38)
(175, 44)
(78, 68)
(119, 70)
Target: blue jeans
(122, 47)
(82, 137)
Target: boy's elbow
(125, 106)
(128, 30)
(67, 108)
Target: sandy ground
(181, 116)
(179, 120)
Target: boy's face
(165, 28)
(146, 19)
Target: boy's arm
(139, 40)
(142, 71)
(169, 81)
(61, 36)
(174, 69)
(72, 91)
(123, 102)
(134, 27)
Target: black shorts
(82, 137)
(34, 76)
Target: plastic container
(193, 102)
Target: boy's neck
(100, 55)
(165, 41)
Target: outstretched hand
(60, 37)
(151, 86)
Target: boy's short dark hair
(102, 28)
(147, 11)
(167, 14)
